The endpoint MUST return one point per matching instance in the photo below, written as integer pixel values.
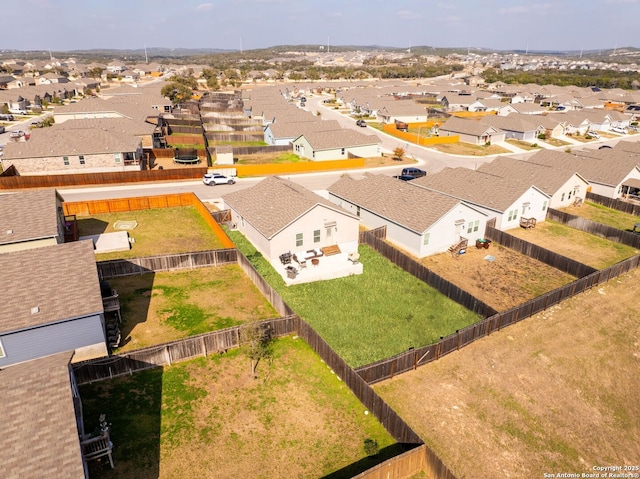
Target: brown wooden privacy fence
(598, 229)
(93, 207)
(616, 204)
(239, 136)
(392, 422)
(116, 177)
(170, 262)
(558, 261)
(424, 274)
(175, 351)
(185, 129)
(387, 368)
(257, 150)
(380, 233)
(185, 140)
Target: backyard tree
(257, 339)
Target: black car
(405, 177)
(361, 123)
(415, 172)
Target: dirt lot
(556, 393)
(572, 243)
(510, 279)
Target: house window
(513, 214)
(342, 152)
(357, 211)
(316, 236)
(117, 157)
(299, 239)
(569, 197)
(473, 226)
(2, 353)
(65, 159)
(425, 239)
(562, 197)
(81, 158)
(544, 205)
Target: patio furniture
(301, 264)
(312, 253)
(329, 250)
(354, 257)
(291, 272)
(285, 258)
(527, 223)
(315, 261)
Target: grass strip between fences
(625, 207)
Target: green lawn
(159, 231)
(372, 316)
(606, 216)
(209, 418)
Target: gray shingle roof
(327, 140)
(274, 203)
(491, 191)
(39, 431)
(61, 280)
(398, 201)
(467, 127)
(605, 168)
(56, 142)
(28, 215)
(545, 177)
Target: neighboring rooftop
(28, 215)
(40, 436)
(48, 284)
(274, 203)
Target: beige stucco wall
(55, 164)
(23, 245)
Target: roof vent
(35, 310)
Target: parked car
(212, 179)
(414, 172)
(617, 129)
(361, 123)
(2, 128)
(6, 117)
(17, 111)
(592, 134)
(405, 177)
(17, 134)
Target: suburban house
(31, 219)
(471, 131)
(406, 111)
(521, 108)
(50, 302)
(283, 133)
(514, 126)
(335, 145)
(486, 104)
(505, 199)
(609, 174)
(564, 187)
(41, 420)
(283, 218)
(64, 151)
(421, 221)
(147, 132)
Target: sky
(557, 25)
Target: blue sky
(249, 24)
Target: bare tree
(257, 339)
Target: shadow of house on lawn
(133, 407)
(91, 226)
(134, 293)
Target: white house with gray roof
(335, 145)
(50, 302)
(421, 221)
(564, 187)
(279, 217)
(505, 199)
(610, 173)
(471, 131)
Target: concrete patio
(325, 267)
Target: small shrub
(371, 447)
(542, 136)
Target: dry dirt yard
(507, 281)
(589, 249)
(555, 393)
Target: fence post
(458, 333)
(167, 354)
(204, 346)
